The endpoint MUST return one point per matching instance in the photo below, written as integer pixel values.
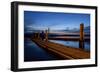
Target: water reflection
(32, 52)
(73, 44)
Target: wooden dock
(62, 51)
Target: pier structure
(64, 52)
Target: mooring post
(48, 30)
(81, 41)
(34, 35)
(38, 35)
(46, 35)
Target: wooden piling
(48, 30)
(81, 41)
(35, 35)
(46, 35)
(38, 35)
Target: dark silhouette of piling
(46, 35)
(81, 41)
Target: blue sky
(55, 21)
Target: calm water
(72, 44)
(32, 52)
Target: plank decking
(65, 52)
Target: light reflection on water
(32, 52)
(72, 44)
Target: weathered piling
(46, 35)
(81, 41)
(38, 35)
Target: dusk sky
(55, 21)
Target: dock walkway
(62, 51)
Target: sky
(53, 20)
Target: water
(32, 52)
(73, 44)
